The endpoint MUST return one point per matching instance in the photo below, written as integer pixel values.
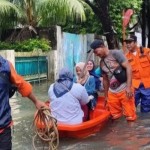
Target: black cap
(97, 43)
(131, 38)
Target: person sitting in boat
(96, 73)
(66, 99)
(88, 81)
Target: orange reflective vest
(140, 67)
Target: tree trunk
(148, 22)
(101, 11)
(143, 25)
(105, 19)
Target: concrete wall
(9, 55)
(52, 65)
(71, 49)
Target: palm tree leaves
(7, 6)
(28, 8)
(41, 12)
(58, 11)
(8, 14)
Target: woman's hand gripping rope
(48, 131)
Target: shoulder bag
(119, 73)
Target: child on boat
(66, 99)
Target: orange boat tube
(98, 118)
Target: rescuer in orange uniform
(9, 75)
(139, 58)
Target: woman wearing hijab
(66, 98)
(96, 73)
(88, 81)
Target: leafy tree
(43, 12)
(39, 12)
(107, 18)
(116, 8)
(101, 10)
(91, 25)
(8, 15)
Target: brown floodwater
(117, 135)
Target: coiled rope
(48, 131)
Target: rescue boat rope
(48, 131)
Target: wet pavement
(117, 135)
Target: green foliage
(58, 11)
(40, 12)
(117, 6)
(5, 46)
(9, 13)
(91, 25)
(27, 45)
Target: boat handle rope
(48, 132)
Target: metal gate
(32, 68)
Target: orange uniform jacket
(140, 67)
(24, 87)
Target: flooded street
(118, 135)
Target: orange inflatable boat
(98, 118)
